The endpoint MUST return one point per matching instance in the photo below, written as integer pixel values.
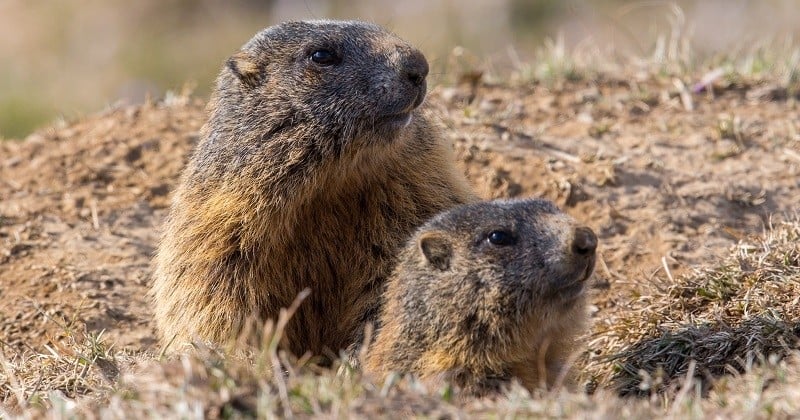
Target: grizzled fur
(316, 164)
(485, 293)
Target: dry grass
(717, 321)
(76, 366)
(721, 341)
(774, 63)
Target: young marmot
(485, 293)
(317, 162)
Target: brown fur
(307, 174)
(460, 308)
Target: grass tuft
(722, 319)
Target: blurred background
(63, 58)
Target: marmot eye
(501, 238)
(324, 57)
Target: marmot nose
(584, 242)
(415, 67)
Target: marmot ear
(437, 249)
(245, 67)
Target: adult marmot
(317, 162)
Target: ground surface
(668, 179)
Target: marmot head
(489, 280)
(336, 81)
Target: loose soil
(669, 181)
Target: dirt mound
(79, 216)
(665, 178)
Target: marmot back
(485, 293)
(316, 163)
